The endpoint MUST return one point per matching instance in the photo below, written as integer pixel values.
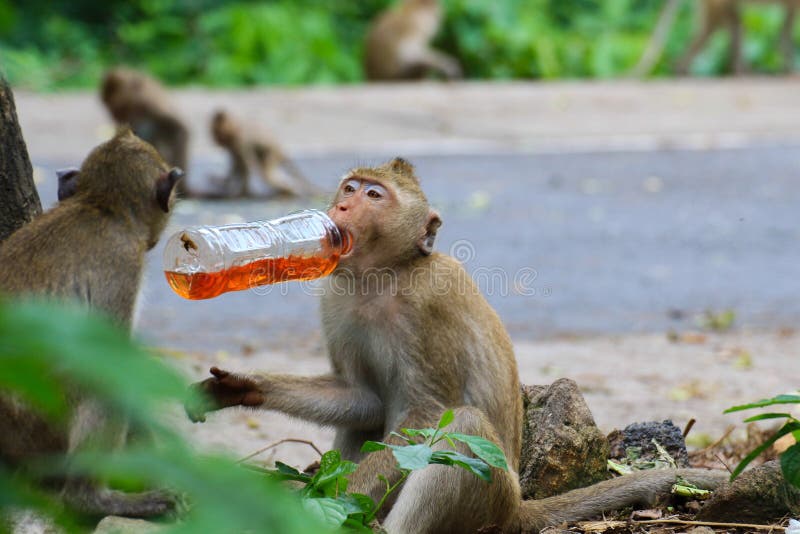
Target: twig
(720, 460)
(688, 427)
(272, 445)
(709, 524)
(717, 443)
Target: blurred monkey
(398, 45)
(140, 101)
(250, 150)
(714, 15)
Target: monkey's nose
(342, 207)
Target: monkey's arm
(440, 62)
(326, 399)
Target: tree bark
(19, 201)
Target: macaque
(135, 99)
(408, 336)
(712, 16)
(250, 149)
(89, 248)
(398, 45)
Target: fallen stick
(272, 445)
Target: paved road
(563, 244)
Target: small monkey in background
(714, 15)
(251, 150)
(404, 347)
(137, 100)
(89, 248)
(398, 44)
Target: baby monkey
(398, 45)
(249, 150)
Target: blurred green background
(46, 45)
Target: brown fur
(250, 149)
(398, 43)
(714, 15)
(408, 336)
(135, 99)
(90, 249)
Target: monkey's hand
(222, 390)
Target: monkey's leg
(439, 62)
(94, 429)
(450, 499)
(787, 42)
(737, 65)
(643, 487)
(698, 43)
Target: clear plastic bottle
(206, 261)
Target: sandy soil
(625, 379)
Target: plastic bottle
(206, 261)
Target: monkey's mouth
(347, 242)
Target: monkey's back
(53, 256)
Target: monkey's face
(385, 223)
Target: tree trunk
(19, 201)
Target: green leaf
(483, 449)
(474, 465)
(357, 503)
(764, 416)
(333, 481)
(329, 461)
(412, 456)
(446, 419)
(790, 464)
(780, 399)
(373, 446)
(329, 511)
(785, 429)
(426, 433)
(287, 472)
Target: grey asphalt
(563, 244)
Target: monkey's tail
(657, 42)
(642, 487)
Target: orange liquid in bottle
(197, 286)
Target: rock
(760, 495)
(124, 525)
(641, 435)
(562, 448)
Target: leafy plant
(325, 493)
(790, 459)
(43, 347)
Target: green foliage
(61, 44)
(790, 459)
(43, 347)
(325, 494)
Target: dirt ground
(624, 379)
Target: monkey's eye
(350, 187)
(375, 191)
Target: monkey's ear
(164, 187)
(425, 243)
(67, 182)
(402, 166)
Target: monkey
(250, 149)
(90, 249)
(138, 100)
(409, 335)
(712, 16)
(398, 44)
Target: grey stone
(562, 448)
(641, 435)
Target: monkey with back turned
(402, 350)
(138, 100)
(90, 248)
